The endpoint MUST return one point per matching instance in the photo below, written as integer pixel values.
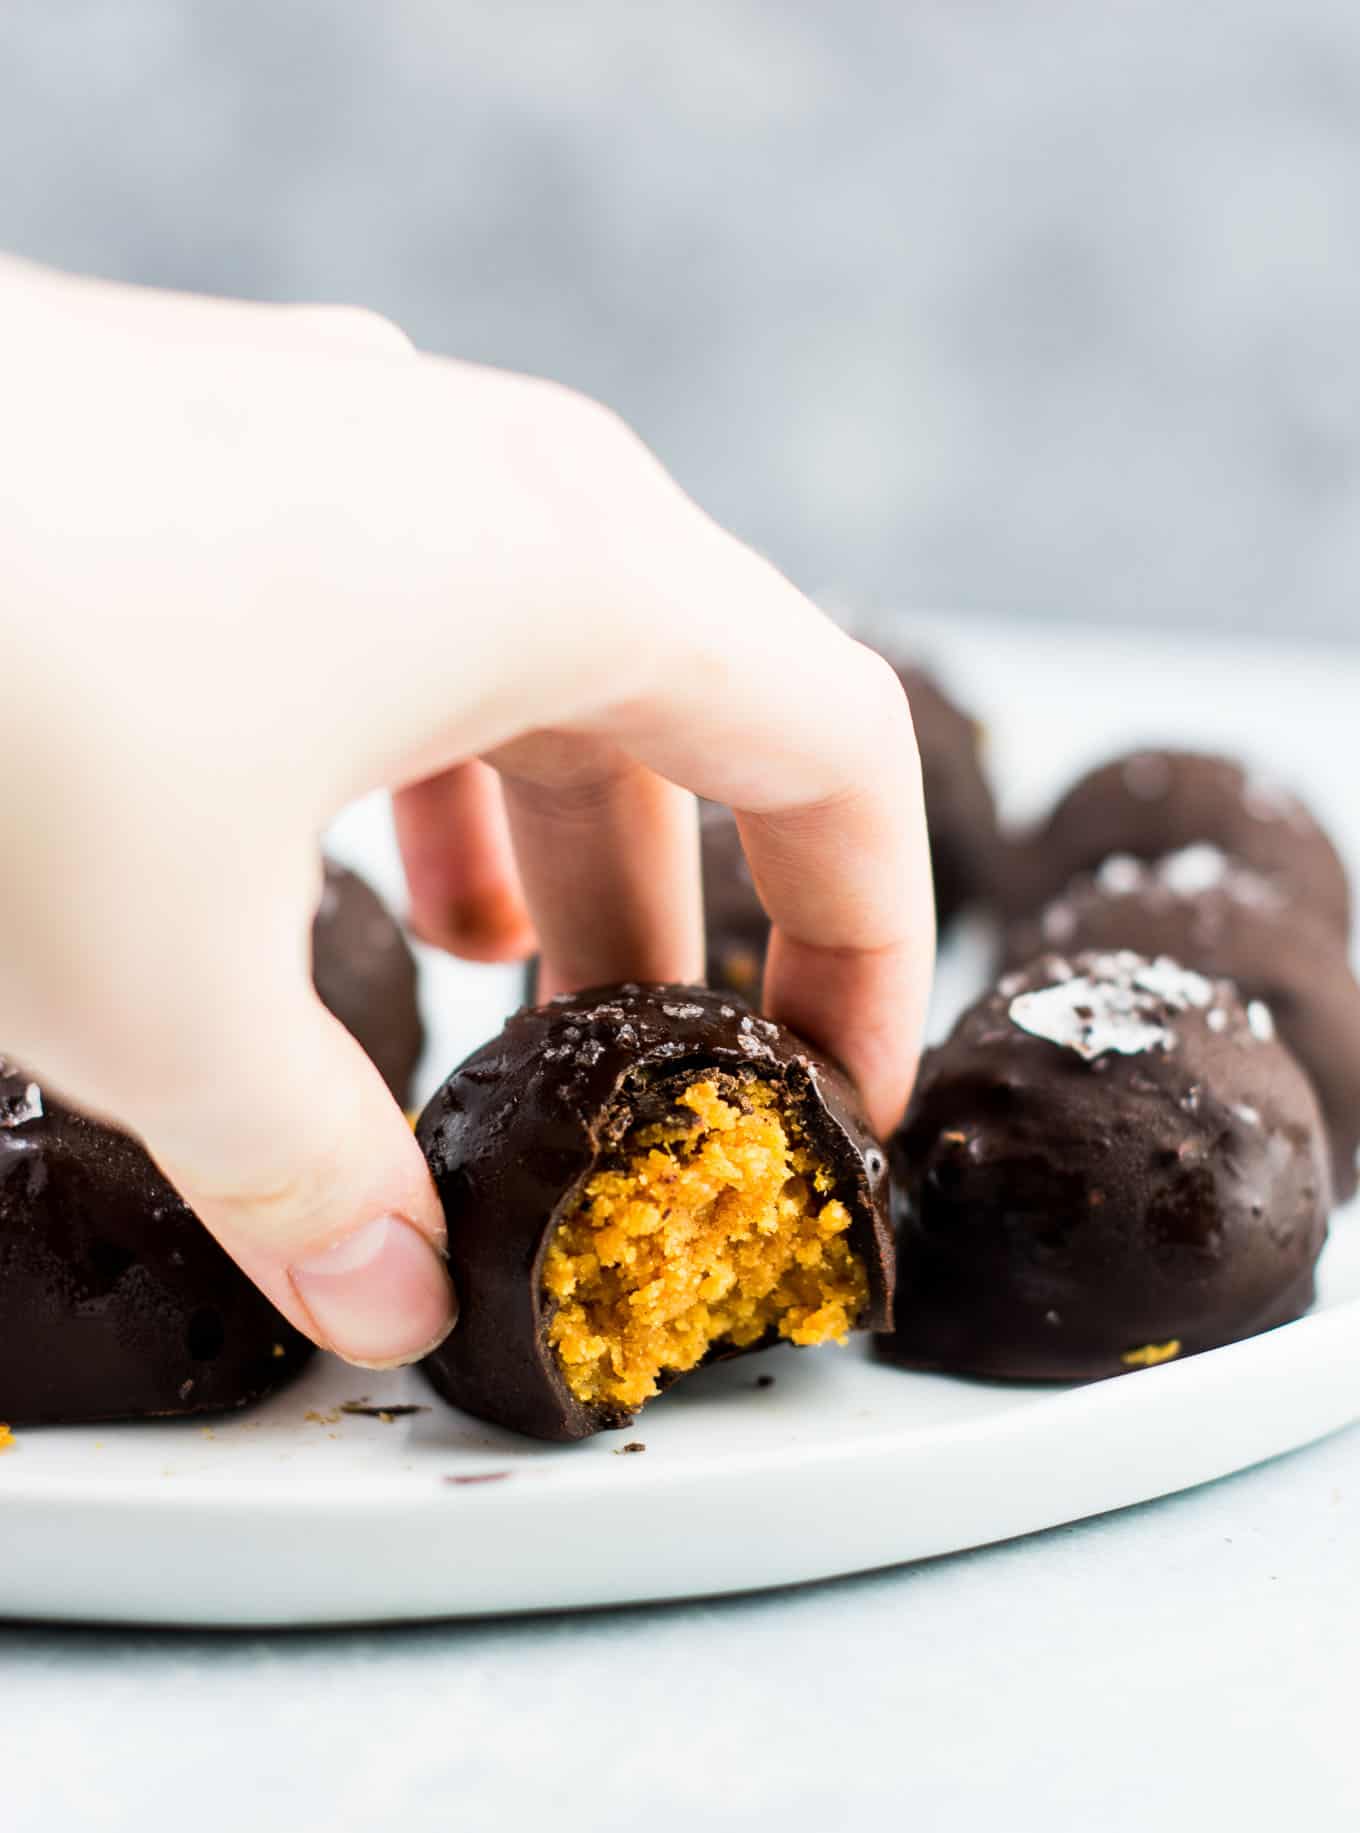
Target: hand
(259, 560)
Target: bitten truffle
(1110, 1163)
(638, 1180)
(115, 1302)
(961, 819)
(1155, 802)
(1202, 909)
(365, 974)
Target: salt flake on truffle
(1119, 875)
(1118, 1008)
(1193, 869)
(1261, 1020)
(24, 1104)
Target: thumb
(297, 1159)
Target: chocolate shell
(115, 1302)
(365, 974)
(1202, 909)
(1110, 1163)
(515, 1133)
(1151, 803)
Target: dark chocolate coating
(515, 1132)
(1060, 1213)
(115, 1302)
(1150, 803)
(365, 974)
(961, 820)
(1240, 927)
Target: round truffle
(1110, 1163)
(115, 1301)
(961, 819)
(1151, 803)
(1202, 909)
(638, 1180)
(365, 974)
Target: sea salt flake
(1118, 1006)
(1119, 875)
(1193, 869)
(1261, 1020)
(1179, 986)
(683, 1011)
(1217, 1020)
(24, 1104)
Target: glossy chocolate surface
(1108, 1163)
(1209, 913)
(1150, 803)
(515, 1132)
(115, 1302)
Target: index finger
(807, 735)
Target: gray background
(1040, 306)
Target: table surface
(1195, 1662)
(1191, 1662)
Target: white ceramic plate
(298, 1513)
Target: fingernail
(380, 1297)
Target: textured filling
(715, 1226)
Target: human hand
(259, 560)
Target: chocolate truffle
(365, 974)
(965, 845)
(115, 1302)
(638, 1180)
(1110, 1163)
(1204, 910)
(1155, 802)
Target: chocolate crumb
(634, 1444)
(764, 1381)
(358, 1409)
(482, 1476)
